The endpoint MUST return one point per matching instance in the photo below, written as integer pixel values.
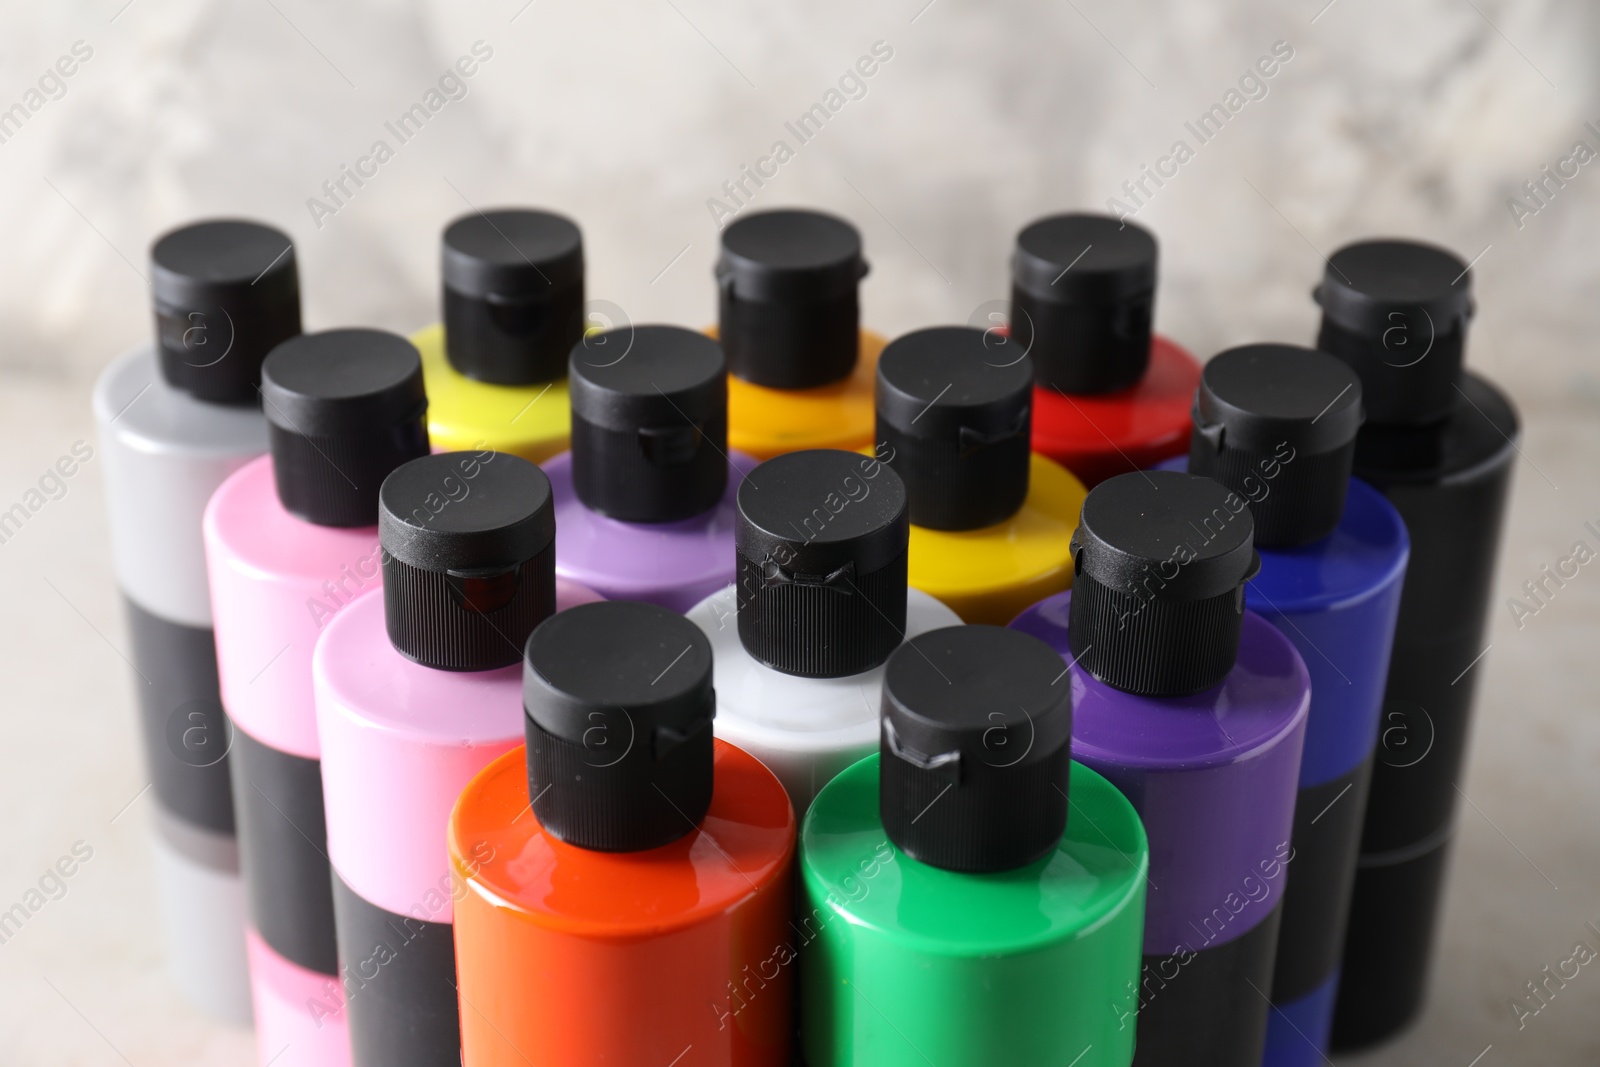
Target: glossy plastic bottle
(821, 600)
(174, 420)
(416, 693)
(292, 538)
(513, 308)
(789, 319)
(1439, 444)
(990, 520)
(949, 918)
(1196, 710)
(1111, 397)
(1277, 424)
(645, 499)
(626, 879)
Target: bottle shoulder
(1481, 433)
(1153, 411)
(853, 872)
(766, 422)
(246, 527)
(134, 405)
(1365, 555)
(531, 421)
(743, 846)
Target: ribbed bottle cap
(1082, 301)
(513, 295)
(344, 408)
(1277, 425)
(975, 752)
(226, 293)
(788, 311)
(1397, 311)
(650, 429)
(619, 706)
(469, 558)
(955, 426)
(821, 541)
(1161, 559)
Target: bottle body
(674, 564)
(1450, 484)
(990, 574)
(805, 729)
(164, 454)
(1097, 437)
(575, 958)
(1214, 778)
(765, 422)
(464, 414)
(904, 961)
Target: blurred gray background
(1422, 118)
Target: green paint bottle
(972, 895)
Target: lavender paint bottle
(1196, 710)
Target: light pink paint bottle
(291, 539)
(417, 690)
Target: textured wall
(1420, 118)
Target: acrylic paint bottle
(1277, 425)
(789, 319)
(1439, 443)
(821, 600)
(1112, 396)
(990, 520)
(417, 691)
(174, 420)
(625, 878)
(972, 895)
(291, 538)
(645, 499)
(1195, 708)
(513, 308)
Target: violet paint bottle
(646, 499)
(1196, 710)
(290, 540)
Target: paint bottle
(1195, 708)
(645, 499)
(1112, 396)
(496, 366)
(990, 520)
(821, 600)
(174, 419)
(625, 878)
(417, 691)
(1277, 425)
(291, 539)
(789, 320)
(956, 910)
(1439, 444)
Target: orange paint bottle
(637, 911)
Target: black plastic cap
(1160, 560)
(955, 426)
(789, 317)
(1277, 425)
(1082, 301)
(1397, 312)
(649, 423)
(469, 558)
(619, 706)
(226, 293)
(344, 408)
(821, 546)
(513, 295)
(975, 750)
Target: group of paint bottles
(526, 693)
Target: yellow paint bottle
(800, 367)
(495, 368)
(991, 522)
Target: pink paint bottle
(417, 690)
(292, 538)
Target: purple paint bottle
(645, 501)
(1196, 710)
